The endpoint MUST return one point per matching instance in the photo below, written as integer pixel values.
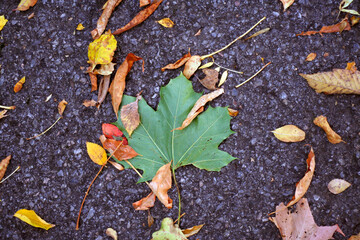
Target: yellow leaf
(223, 78)
(339, 81)
(3, 22)
(206, 65)
(80, 27)
(166, 22)
(289, 133)
(337, 186)
(25, 5)
(96, 153)
(30, 217)
(101, 50)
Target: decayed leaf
(351, 66)
(103, 89)
(178, 63)
(117, 86)
(339, 81)
(3, 22)
(112, 132)
(191, 66)
(339, 27)
(93, 80)
(101, 50)
(233, 112)
(3, 114)
(89, 103)
(80, 27)
(192, 231)
(3, 166)
(166, 22)
(289, 133)
(161, 183)
(96, 153)
(300, 224)
(130, 116)
(145, 203)
(140, 17)
(337, 186)
(310, 57)
(116, 165)
(143, 3)
(19, 84)
(355, 237)
(332, 136)
(62, 106)
(287, 3)
(123, 152)
(168, 231)
(111, 233)
(303, 185)
(223, 78)
(30, 217)
(199, 107)
(25, 5)
(212, 77)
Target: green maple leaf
(197, 144)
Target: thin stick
(180, 216)
(179, 196)
(132, 166)
(253, 75)
(8, 108)
(209, 55)
(230, 70)
(18, 167)
(45, 130)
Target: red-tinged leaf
(339, 27)
(25, 5)
(3, 166)
(117, 86)
(18, 86)
(111, 131)
(178, 63)
(191, 66)
(130, 116)
(123, 152)
(93, 79)
(145, 203)
(161, 183)
(233, 112)
(140, 17)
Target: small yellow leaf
(96, 153)
(310, 57)
(223, 78)
(289, 133)
(80, 27)
(3, 22)
(166, 22)
(30, 217)
(62, 106)
(19, 84)
(206, 65)
(337, 186)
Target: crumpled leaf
(123, 152)
(103, 90)
(355, 237)
(112, 132)
(339, 81)
(178, 63)
(30, 217)
(117, 86)
(168, 231)
(111, 233)
(332, 136)
(339, 27)
(3, 114)
(161, 183)
(223, 78)
(191, 66)
(289, 133)
(145, 203)
(192, 231)
(25, 5)
(140, 17)
(101, 50)
(287, 3)
(18, 86)
(3, 166)
(144, 3)
(212, 77)
(337, 186)
(199, 107)
(130, 116)
(96, 153)
(62, 106)
(3, 22)
(166, 22)
(80, 27)
(351, 66)
(300, 224)
(310, 57)
(197, 144)
(303, 185)
(233, 112)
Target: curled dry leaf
(145, 203)
(3, 114)
(140, 17)
(310, 57)
(339, 27)
(339, 81)
(233, 112)
(150, 219)
(3, 166)
(123, 152)
(332, 136)
(303, 185)
(351, 66)
(112, 132)
(111, 233)
(289, 133)
(89, 103)
(93, 80)
(166, 22)
(103, 89)
(18, 86)
(191, 66)
(300, 224)
(118, 84)
(223, 78)
(287, 3)
(161, 183)
(25, 5)
(96, 153)
(192, 231)
(337, 186)
(30, 217)
(130, 117)
(144, 3)
(178, 63)
(212, 77)
(80, 27)
(62, 106)
(3, 22)
(199, 107)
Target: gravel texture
(233, 203)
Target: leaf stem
(18, 167)
(253, 75)
(45, 130)
(8, 108)
(230, 70)
(179, 195)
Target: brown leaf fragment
(199, 107)
(351, 66)
(300, 224)
(191, 66)
(130, 117)
(145, 203)
(332, 136)
(354, 20)
(123, 152)
(140, 17)
(339, 81)
(62, 106)
(289, 133)
(287, 3)
(161, 183)
(233, 112)
(355, 237)
(339, 27)
(178, 63)
(118, 84)
(150, 219)
(212, 77)
(25, 5)
(103, 89)
(144, 3)
(310, 57)
(303, 185)
(89, 103)
(3, 166)
(93, 79)
(3, 114)
(111, 233)
(192, 231)
(116, 165)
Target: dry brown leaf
(166, 22)
(145, 203)
(178, 63)
(93, 80)
(337, 186)
(310, 57)
(300, 224)
(18, 86)
(161, 183)
(289, 133)
(191, 66)
(130, 117)
(355, 237)
(25, 5)
(339, 81)
(233, 112)
(192, 231)
(212, 77)
(62, 106)
(116, 165)
(287, 3)
(354, 20)
(111, 233)
(140, 17)
(339, 27)
(150, 219)
(3, 166)
(3, 114)
(123, 152)
(199, 107)
(118, 84)
(89, 103)
(103, 89)
(303, 185)
(351, 66)
(332, 136)
(144, 3)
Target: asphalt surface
(233, 203)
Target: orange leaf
(89, 103)
(178, 63)
(140, 17)
(191, 66)
(145, 203)
(144, 3)
(123, 152)
(93, 79)
(3, 166)
(233, 112)
(25, 5)
(118, 84)
(130, 116)
(332, 136)
(351, 66)
(62, 106)
(303, 185)
(161, 183)
(212, 77)
(339, 27)
(96, 153)
(19, 84)
(310, 57)
(287, 3)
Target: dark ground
(234, 203)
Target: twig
(45, 130)
(8, 108)
(253, 75)
(230, 70)
(18, 167)
(179, 196)
(180, 217)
